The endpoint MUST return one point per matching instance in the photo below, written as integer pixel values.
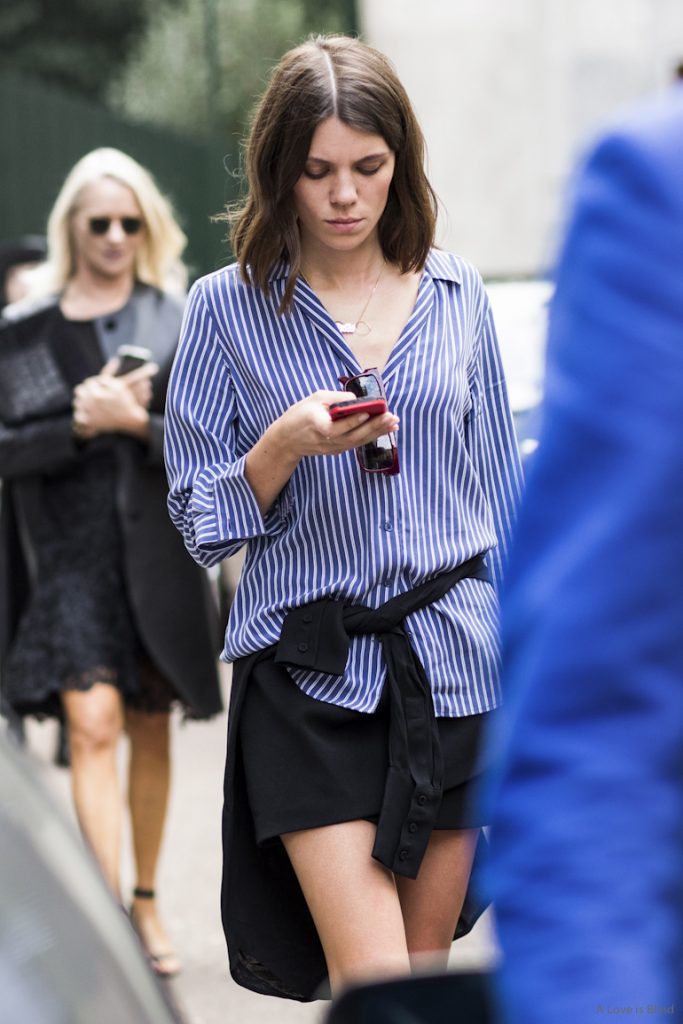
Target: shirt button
(307, 617)
(386, 525)
(422, 799)
(412, 827)
(403, 854)
(386, 582)
(302, 647)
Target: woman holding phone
(364, 629)
(106, 622)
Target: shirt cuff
(224, 507)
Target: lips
(344, 225)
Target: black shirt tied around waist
(316, 636)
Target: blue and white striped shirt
(334, 530)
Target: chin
(346, 243)
(116, 268)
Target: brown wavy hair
(328, 76)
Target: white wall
(508, 93)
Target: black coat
(169, 594)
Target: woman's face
(107, 230)
(343, 190)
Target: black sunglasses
(100, 225)
(380, 456)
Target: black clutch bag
(31, 385)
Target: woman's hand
(139, 383)
(306, 428)
(106, 404)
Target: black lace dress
(78, 627)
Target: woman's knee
(95, 719)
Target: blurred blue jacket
(587, 867)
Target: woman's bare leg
(95, 721)
(432, 902)
(148, 789)
(353, 902)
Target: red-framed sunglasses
(380, 456)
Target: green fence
(45, 131)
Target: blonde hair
(158, 261)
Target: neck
(94, 294)
(339, 271)
(346, 284)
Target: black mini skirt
(308, 763)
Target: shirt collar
(443, 266)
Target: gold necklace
(355, 327)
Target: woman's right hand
(110, 404)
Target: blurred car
(520, 312)
(68, 953)
(456, 998)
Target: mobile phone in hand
(371, 406)
(131, 357)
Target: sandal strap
(143, 894)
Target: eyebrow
(362, 160)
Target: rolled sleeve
(224, 507)
(210, 500)
(38, 447)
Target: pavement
(189, 882)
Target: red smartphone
(371, 406)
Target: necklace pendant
(363, 328)
(346, 328)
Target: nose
(116, 232)
(343, 189)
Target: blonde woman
(107, 622)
